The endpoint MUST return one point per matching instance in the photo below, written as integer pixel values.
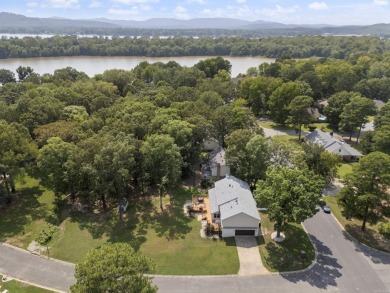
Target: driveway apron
(248, 253)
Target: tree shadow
(325, 271)
(25, 209)
(172, 223)
(376, 256)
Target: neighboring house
(233, 207)
(334, 145)
(217, 162)
(210, 144)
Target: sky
(358, 12)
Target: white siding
(240, 220)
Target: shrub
(384, 229)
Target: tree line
(273, 47)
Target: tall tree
(162, 162)
(6, 76)
(23, 72)
(365, 193)
(290, 195)
(299, 112)
(114, 268)
(355, 114)
(336, 104)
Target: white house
(334, 145)
(217, 162)
(233, 207)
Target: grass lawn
(370, 237)
(21, 223)
(169, 237)
(345, 169)
(284, 256)
(18, 287)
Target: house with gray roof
(334, 145)
(233, 207)
(218, 165)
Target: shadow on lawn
(22, 211)
(141, 215)
(286, 255)
(324, 273)
(172, 223)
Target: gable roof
(232, 196)
(217, 156)
(332, 144)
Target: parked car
(326, 209)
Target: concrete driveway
(248, 253)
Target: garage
(245, 233)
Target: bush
(384, 229)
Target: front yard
(285, 256)
(18, 287)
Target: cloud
(240, 1)
(181, 12)
(134, 10)
(196, 1)
(95, 4)
(277, 11)
(381, 2)
(318, 6)
(61, 4)
(132, 2)
(32, 4)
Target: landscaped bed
(170, 238)
(370, 237)
(285, 256)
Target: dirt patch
(369, 237)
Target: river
(96, 65)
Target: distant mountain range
(15, 23)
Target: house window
(217, 216)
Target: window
(217, 216)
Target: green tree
(114, 268)
(290, 195)
(6, 76)
(319, 161)
(336, 104)
(281, 98)
(23, 72)
(45, 235)
(365, 193)
(212, 66)
(355, 114)
(162, 162)
(299, 112)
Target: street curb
(41, 256)
(357, 241)
(32, 283)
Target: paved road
(343, 266)
(34, 269)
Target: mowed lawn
(170, 238)
(18, 287)
(285, 256)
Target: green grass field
(285, 256)
(18, 287)
(169, 237)
(370, 237)
(272, 125)
(345, 169)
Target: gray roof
(332, 144)
(232, 196)
(217, 156)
